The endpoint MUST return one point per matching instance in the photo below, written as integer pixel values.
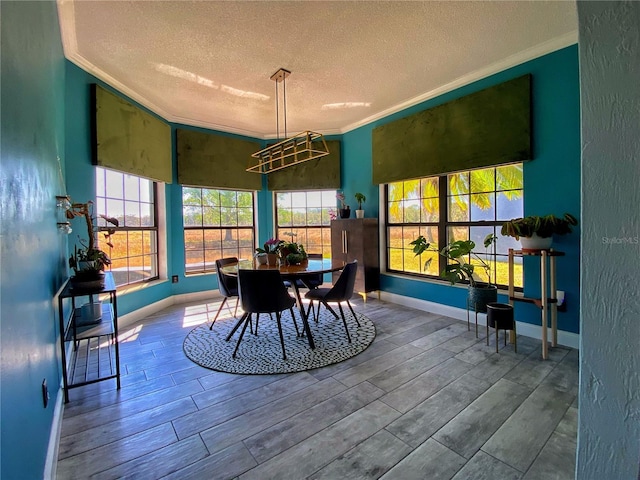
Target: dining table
(292, 273)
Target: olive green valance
(320, 174)
(489, 127)
(129, 139)
(219, 161)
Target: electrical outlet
(45, 393)
(174, 279)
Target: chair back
(313, 281)
(227, 284)
(342, 290)
(262, 291)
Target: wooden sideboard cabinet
(357, 239)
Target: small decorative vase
(345, 212)
(272, 259)
(359, 213)
(261, 259)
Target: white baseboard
(139, 314)
(568, 339)
(51, 462)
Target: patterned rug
(262, 354)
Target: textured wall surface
(609, 416)
(32, 252)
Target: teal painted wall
(32, 252)
(552, 179)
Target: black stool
(500, 317)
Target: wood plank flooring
(426, 400)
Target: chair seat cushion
(317, 293)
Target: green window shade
(487, 128)
(320, 174)
(209, 160)
(129, 139)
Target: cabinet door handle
(344, 241)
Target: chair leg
(353, 313)
(235, 311)
(241, 335)
(310, 309)
(284, 354)
(236, 326)
(224, 300)
(344, 321)
(330, 309)
(295, 324)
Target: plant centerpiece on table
(270, 251)
(360, 198)
(536, 232)
(344, 211)
(459, 270)
(293, 253)
(88, 262)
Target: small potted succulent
(360, 198)
(536, 232)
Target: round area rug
(262, 353)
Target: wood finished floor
(427, 400)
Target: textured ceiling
(208, 63)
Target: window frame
(253, 228)
(443, 226)
(154, 229)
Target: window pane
(131, 188)
(483, 180)
(430, 210)
(132, 214)
(458, 183)
(509, 177)
(395, 212)
(191, 196)
(510, 205)
(115, 184)
(482, 206)
(459, 208)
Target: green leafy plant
(88, 260)
(360, 198)
(544, 226)
(456, 252)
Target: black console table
(94, 355)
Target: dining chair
(262, 291)
(227, 285)
(340, 292)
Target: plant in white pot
(535, 232)
(88, 262)
(360, 198)
(458, 269)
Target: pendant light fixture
(297, 149)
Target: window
(132, 200)
(459, 206)
(306, 215)
(217, 224)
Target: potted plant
(270, 252)
(535, 232)
(88, 262)
(360, 198)
(458, 269)
(344, 211)
(292, 253)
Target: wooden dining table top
(310, 267)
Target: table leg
(307, 329)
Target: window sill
(504, 290)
